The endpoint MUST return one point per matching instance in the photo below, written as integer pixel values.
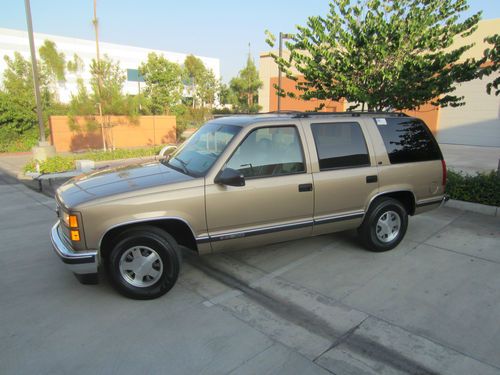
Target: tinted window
(340, 145)
(408, 140)
(269, 152)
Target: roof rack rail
(304, 114)
(285, 112)
(350, 113)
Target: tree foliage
(17, 99)
(75, 65)
(53, 62)
(393, 54)
(204, 87)
(106, 91)
(244, 89)
(492, 62)
(164, 84)
(105, 97)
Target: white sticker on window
(381, 121)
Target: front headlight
(65, 218)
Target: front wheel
(384, 226)
(144, 263)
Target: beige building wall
(476, 123)
(267, 69)
(484, 28)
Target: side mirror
(230, 177)
(166, 151)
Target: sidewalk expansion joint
(286, 310)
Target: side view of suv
(246, 181)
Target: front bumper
(79, 262)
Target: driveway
(316, 306)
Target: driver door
(276, 203)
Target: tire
(384, 225)
(144, 263)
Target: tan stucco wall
(477, 122)
(484, 28)
(147, 131)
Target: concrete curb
(474, 207)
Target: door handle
(305, 187)
(371, 179)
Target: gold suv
(246, 181)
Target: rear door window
(340, 145)
(408, 140)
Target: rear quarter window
(408, 140)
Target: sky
(215, 28)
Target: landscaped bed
(483, 188)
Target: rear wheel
(144, 263)
(384, 226)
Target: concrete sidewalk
(316, 306)
(471, 159)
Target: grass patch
(481, 188)
(64, 163)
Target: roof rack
(302, 114)
(282, 112)
(350, 113)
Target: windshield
(199, 153)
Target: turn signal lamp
(75, 235)
(73, 221)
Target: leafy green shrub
(482, 188)
(67, 163)
(12, 141)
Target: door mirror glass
(230, 177)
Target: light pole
(283, 36)
(44, 149)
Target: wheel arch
(406, 197)
(178, 228)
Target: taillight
(443, 164)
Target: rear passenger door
(344, 174)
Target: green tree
(492, 61)
(75, 65)
(195, 70)
(245, 89)
(164, 84)
(105, 97)
(53, 62)
(204, 87)
(394, 54)
(18, 99)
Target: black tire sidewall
(371, 240)
(163, 244)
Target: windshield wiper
(183, 165)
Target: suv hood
(115, 181)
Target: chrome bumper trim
(77, 261)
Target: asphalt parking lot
(316, 306)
